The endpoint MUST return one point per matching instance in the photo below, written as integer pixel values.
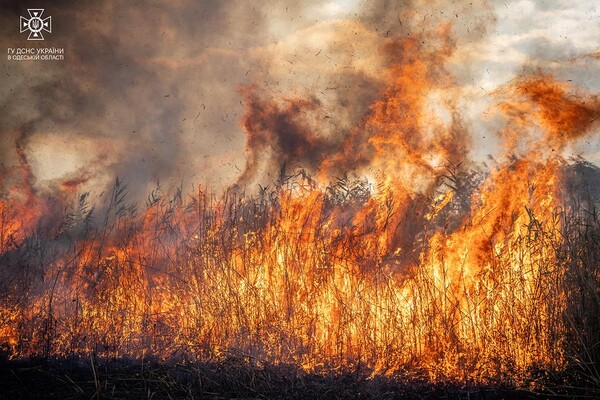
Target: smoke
(282, 131)
(143, 93)
(218, 93)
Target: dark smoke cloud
(282, 132)
(144, 92)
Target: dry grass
(293, 276)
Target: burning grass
(322, 279)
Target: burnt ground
(64, 380)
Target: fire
(433, 269)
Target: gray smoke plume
(216, 92)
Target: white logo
(35, 24)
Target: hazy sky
(153, 90)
